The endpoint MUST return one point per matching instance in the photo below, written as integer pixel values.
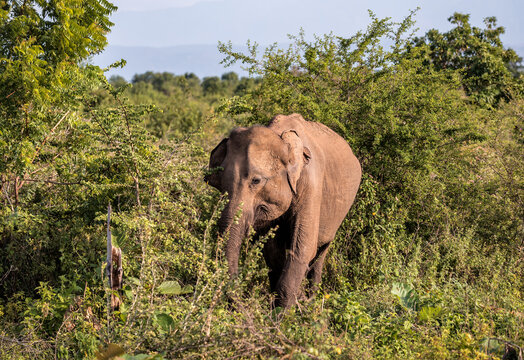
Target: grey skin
(296, 174)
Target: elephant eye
(256, 181)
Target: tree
(246, 84)
(480, 57)
(117, 81)
(230, 77)
(43, 44)
(212, 85)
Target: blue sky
(162, 23)
(181, 36)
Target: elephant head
(260, 171)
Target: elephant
(294, 173)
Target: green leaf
(174, 288)
(165, 321)
(188, 289)
(428, 313)
(170, 288)
(137, 357)
(128, 291)
(143, 357)
(406, 294)
(133, 280)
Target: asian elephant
(296, 174)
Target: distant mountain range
(203, 60)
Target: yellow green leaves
(173, 288)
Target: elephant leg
(275, 256)
(315, 269)
(289, 289)
(302, 248)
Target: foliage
(182, 102)
(427, 264)
(479, 56)
(41, 82)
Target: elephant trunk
(238, 227)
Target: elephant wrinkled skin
(297, 174)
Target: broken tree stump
(114, 269)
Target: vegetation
(428, 264)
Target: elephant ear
(216, 158)
(299, 155)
